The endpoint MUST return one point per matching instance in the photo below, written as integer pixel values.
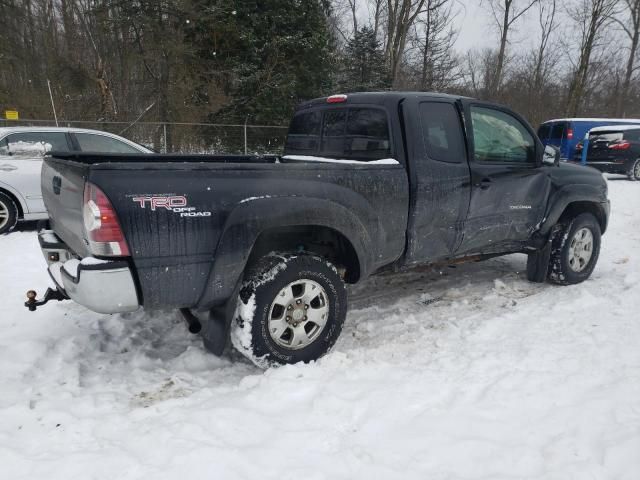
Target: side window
(442, 132)
(304, 133)
(500, 137)
(367, 135)
(36, 144)
(102, 144)
(4, 147)
(333, 133)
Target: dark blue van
(566, 133)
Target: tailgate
(63, 194)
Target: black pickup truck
(263, 245)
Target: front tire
(291, 309)
(575, 250)
(634, 171)
(8, 213)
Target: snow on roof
(612, 120)
(618, 128)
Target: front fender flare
(567, 195)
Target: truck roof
(378, 97)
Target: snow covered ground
(467, 373)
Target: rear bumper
(103, 286)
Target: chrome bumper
(103, 286)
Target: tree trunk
(635, 38)
(496, 81)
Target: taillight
(101, 224)
(570, 134)
(337, 99)
(579, 146)
(621, 145)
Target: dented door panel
(440, 189)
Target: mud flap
(215, 332)
(538, 260)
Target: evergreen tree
(280, 54)
(363, 64)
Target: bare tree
(534, 72)
(505, 13)
(631, 27)
(590, 16)
(400, 17)
(353, 6)
(478, 69)
(433, 39)
(376, 14)
(546, 20)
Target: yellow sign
(11, 115)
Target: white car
(21, 151)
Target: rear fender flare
(249, 219)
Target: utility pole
(53, 106)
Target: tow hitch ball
(50, 294)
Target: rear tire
(291, 309)
(575, 250)
(8, 213)
(634, 171)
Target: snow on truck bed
(465, 373)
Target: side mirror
(551, 156)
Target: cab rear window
(355, 133)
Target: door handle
(7, 168)
(484, 183)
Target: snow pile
(464, 373)
(309, 158)
(26, 149)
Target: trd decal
(161, 202)
(173, 203)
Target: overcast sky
(475, 29)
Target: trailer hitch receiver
(32, 303)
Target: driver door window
(500, 138)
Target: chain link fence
(183, 137)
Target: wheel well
(576, 208)
(324, 241)
(15, 200)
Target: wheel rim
(298, 314)
(636, 170)
(4, 214)
(580, 250)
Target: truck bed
(191, 255)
